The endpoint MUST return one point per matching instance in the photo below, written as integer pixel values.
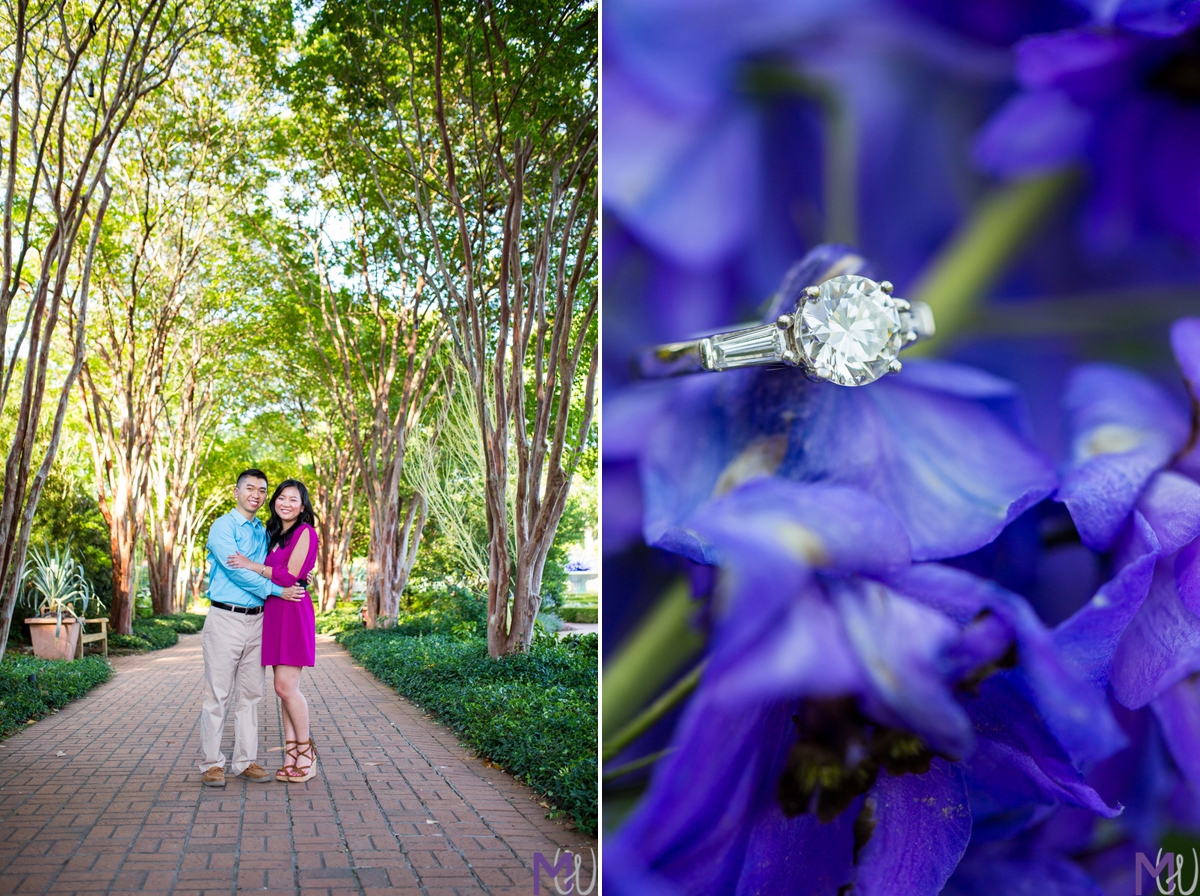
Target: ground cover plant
(31, 689)
(533, 713)
(157, 632)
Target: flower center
(838, 757)
(1179, 76)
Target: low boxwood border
(533, 713)
(31, 688)
(569, 613)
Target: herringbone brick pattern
(397, 806)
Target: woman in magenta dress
(289, 634)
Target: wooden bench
(85, 638)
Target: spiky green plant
(55, 584)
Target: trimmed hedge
(534, 713)
(568, 613)
(54, 684)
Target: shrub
(31, 688)
(579, 613)
(338, 620)
(155, 633)
(534, 713)
(449, 610)
(184, 623)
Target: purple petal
(798, 855)
(1125, 428)
(793, 644)
(1089, 63)
(1075, 711)
(1036, 876)
(1187, 576)
(922, 824)
(1033, 132)
(952, 471)
(1171, 506)
(825, 526)
(1019, 763)
(1178, 712)
(947, 466)
(1185, 342)
(683, 180)
(693, 824)
(900, 644)
(1089, 638)
(1160, 646)
(622, 506)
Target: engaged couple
(262, 615)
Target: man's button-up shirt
(234, 534)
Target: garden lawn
(31, 688)
(533, 713)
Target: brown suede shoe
(255, 772)
(214, 777)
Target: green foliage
(534, 713)
(574, 522)
(589, 613)
(148, 634)
(56, 585)
(183, 623)
(449, 610)
(340, 620)
(54, 684)
(68, 512)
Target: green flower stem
(653, 713)
(663, 643)
(628, 767)
(956, 281)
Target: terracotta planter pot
(48, 647)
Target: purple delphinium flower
(1133, 488)
(856, 711)
(1124, 96)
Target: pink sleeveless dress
(289, 634)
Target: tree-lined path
(397, 805)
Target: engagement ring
(848, 330)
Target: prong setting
(811, 293)
(895, 366)
(886, 286)
(784, 321)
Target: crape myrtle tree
(290, 375)
(377, 336)
(73, 77)
(480, 122)
(184, 163)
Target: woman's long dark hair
(277, 537)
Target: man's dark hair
(252, 473)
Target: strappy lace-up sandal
(291, 752)
(308, 750)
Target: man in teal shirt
(232, 637)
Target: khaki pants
(232, 646)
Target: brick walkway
(397, 805)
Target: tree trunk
(123, 542)
(162, 563)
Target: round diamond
(850, 333)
